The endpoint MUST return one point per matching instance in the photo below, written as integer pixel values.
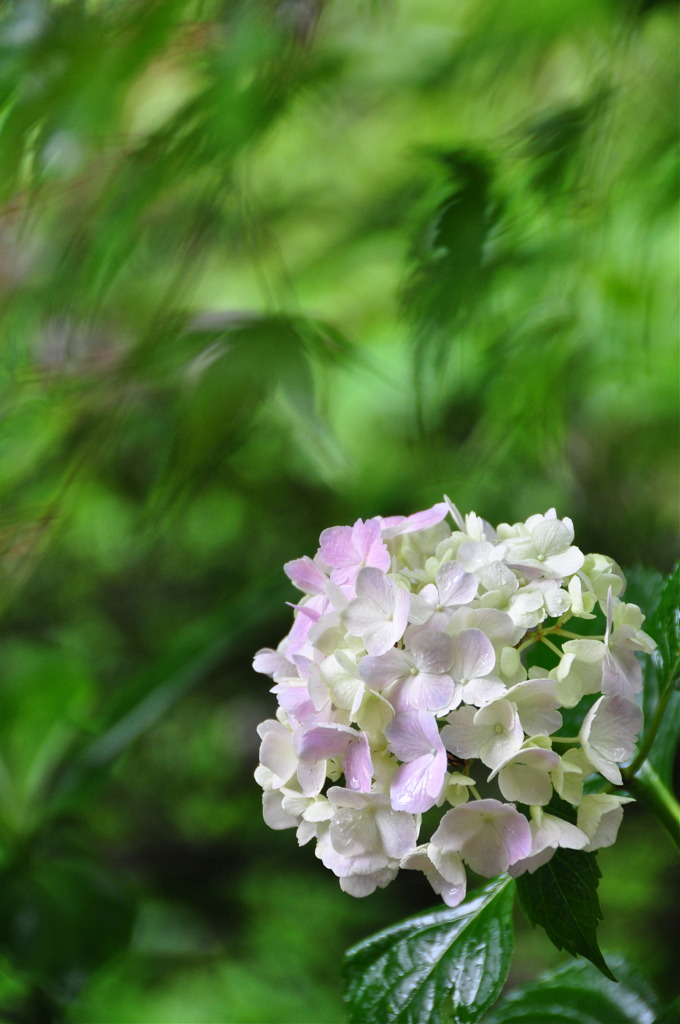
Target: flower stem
(575, 636)
(551, 645)
(527, 643)
(650, 790)
(648, 741)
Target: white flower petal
(461, 736)
(599, 816)
(432, 652)
(473, 655)
(398, 831)
(536, 702)
(488, 834)
(380, 672)
(273, 813)
(608, 734)
(525, 777)
(455, 585)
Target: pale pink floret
(473, 659)
(291, 683)
(363, 885)
(524, 777)
(307, 614)
(306, 575)
(548, 832)
(608, 735)
(492, 733)
(395, 526)
(418, 679)
(488, 834)
(414, 738)
(274, 664)
(366, 822)
(435, 602)
(621, 669)
(293, 696)
(379, 614)
(347, 549)
(366, 840)
(330, 739)
(497, 626)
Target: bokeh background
(268, 267)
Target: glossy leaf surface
(578, 994)
(561, 896)
(662, 673)
(449, 964)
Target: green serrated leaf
(662, 753)
(661, 705)
(561, 896)
(578, 994)
(664, 627)
(644, 587)
(446, 965)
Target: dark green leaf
(664, 627)
(561, 896)
(670, 1013)
(578, 994)
(644, 587)
(662, 753)
(661, 674)
(449, 964)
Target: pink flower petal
(455, 585)
(488, 834)
(423, 692)
(432, 652)
(273, 663)
(473, 655)
(393, 526)
(379, 672)
(375, 586)
(416, 785)
(357, 766)
(306, 575)
(347, 549)
(336, 548)
(413, 734)
(323, 741)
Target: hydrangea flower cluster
(402, 687)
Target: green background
(267, 267)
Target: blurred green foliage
(266, 267)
